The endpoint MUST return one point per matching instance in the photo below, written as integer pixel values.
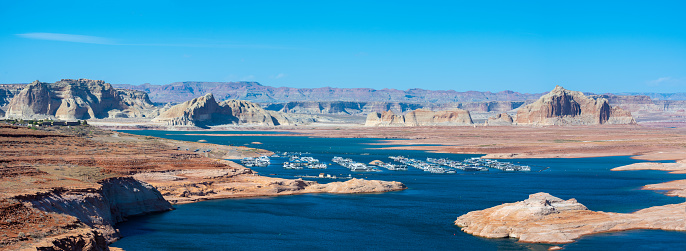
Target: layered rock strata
(101, 208)
(205, 111)
(543, 218)
(71, 99)
(255, 92)
(564, 107)
(186, 186)
(420, 117)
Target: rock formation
(548, 219)
(564, 107)
(205, 111)
(7, 92)
(71, 99)
(499, 120)
(101, 208)
(420, 117)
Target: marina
(299, 161)
(300, 220)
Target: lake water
(419, 218)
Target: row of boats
(444, 165)
(354, 166)
(298, 162)
(432, 165)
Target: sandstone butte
(420, 117)
(71, 99)
(69, 197)
(544, 218)
(565, 107)
(205, 111)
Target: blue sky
(525, 46)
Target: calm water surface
(419, 218)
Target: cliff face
(564, 107)
(420, 117)
(7, 92)
(102, 208)
(71, 99)
(205, 111)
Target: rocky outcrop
(101, 208)
(71, 99)
(186, 186)
(564, 107)
(205, 111)
(548, 219)
(8, 91)
(499, 120)
(420, 117)
(79, 239)
(247, 112)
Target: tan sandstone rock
(205, 111)
(420, 117)
(564, 107)
(548, 219)
(500, 120)
(71, 99)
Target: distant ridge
(255, 92)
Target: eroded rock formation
(420, 117)
(564, 107)
(102, 207)
(500, 120)
(205, 111)
(71, 99)
(547, 219)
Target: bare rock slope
(420, 117)
(548, 219)
(71, 99)
(565, 107)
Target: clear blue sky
(525, 46)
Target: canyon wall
(101, 208)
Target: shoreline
(98, 178)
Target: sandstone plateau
(420, 117)
(71, 99)
(564, 107)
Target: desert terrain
(65, 187)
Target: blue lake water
(420, 217)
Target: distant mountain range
(252, 91)
(255, 92)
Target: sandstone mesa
(564, 107)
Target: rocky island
(543, 218)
